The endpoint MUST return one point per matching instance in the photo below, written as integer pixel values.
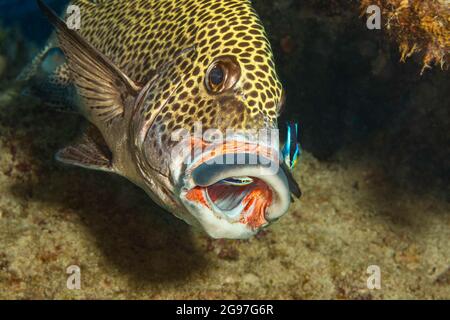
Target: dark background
(345, 85)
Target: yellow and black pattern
(141, 36)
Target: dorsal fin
(90, 152)
(100, 83)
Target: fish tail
(47, 77)
(32, 68)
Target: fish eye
(222, 75)
(216, 76)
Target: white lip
(213, 220)
(277, 182)
(220, 224)
(216, 226)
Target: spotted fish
(143, 71)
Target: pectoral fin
(100, 84)
(89, 152)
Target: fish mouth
(235, 200)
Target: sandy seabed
(350, 217)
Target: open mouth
(243, 199)
(235, 200)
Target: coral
(419, 26)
